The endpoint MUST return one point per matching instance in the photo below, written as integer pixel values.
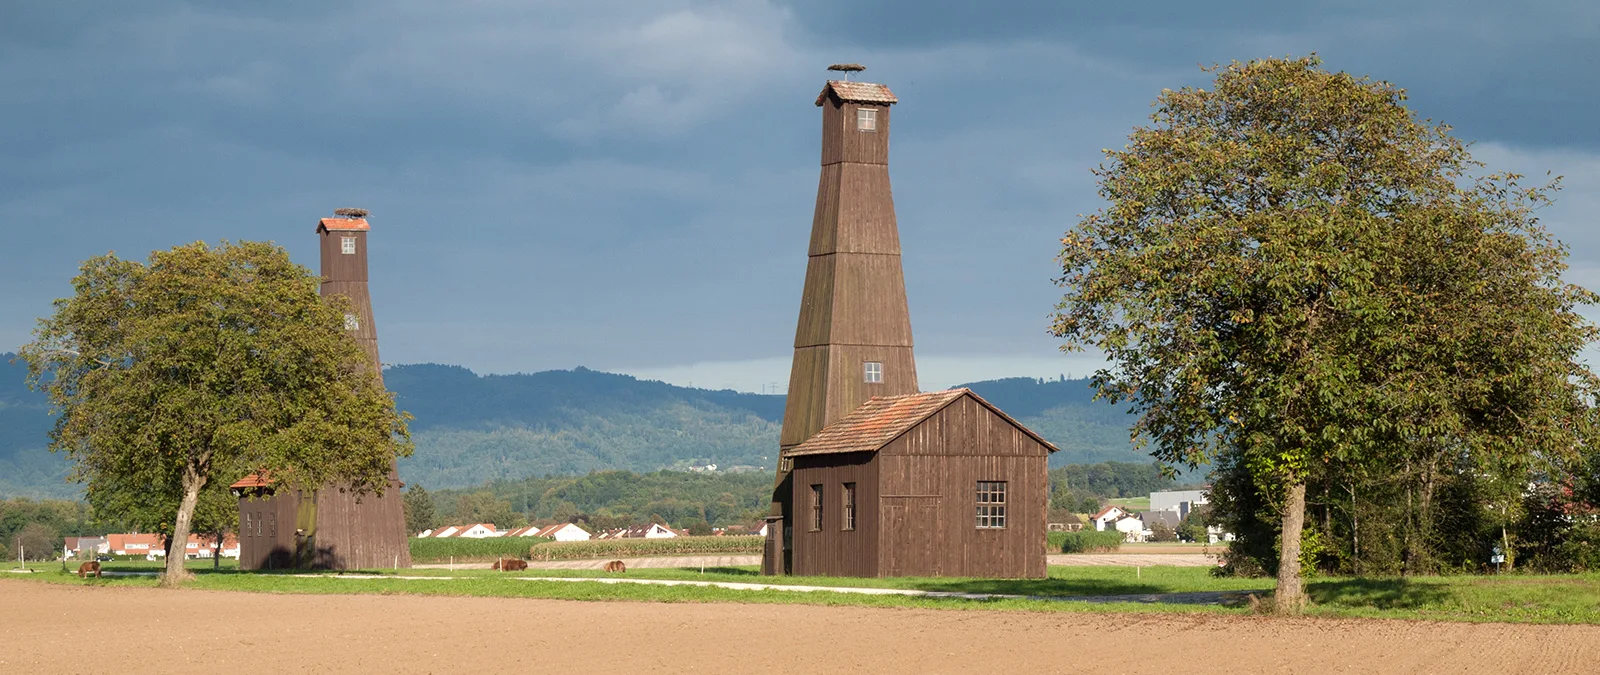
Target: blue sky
(628, 184)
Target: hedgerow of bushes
(432, 550)
(1085, 541)
(622, 548)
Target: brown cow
(88, 568)
(510, 564)
(616, 566)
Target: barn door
(911, 536)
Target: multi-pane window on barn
(872, 371)
(991, 504)
(347, 245)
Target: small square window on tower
(352, 322)
(866, 119)
(872, 371)
(347, 245)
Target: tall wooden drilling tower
(853, 338)
(329, 528)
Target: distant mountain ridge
(471, 429)
(27, 468)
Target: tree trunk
(1355, 533)
(216, 551)
(1290, 597)
(176, 574)
(1418, 551)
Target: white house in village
(473, 531)
(651, 531)
(1107, 516)
(479, 531)
(558, 532)
(565, 532)
(1132, 529)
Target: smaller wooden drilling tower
(330, 528)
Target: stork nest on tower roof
(351, 212)
(848, 67)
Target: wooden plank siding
(863, 297)
(366, 333)
(268, 541)
(946, 455)
(855, 211)
(853, 311)
(360, 531)
(853, 308)
(834, 375)
(842, 142)
(832, 550)
(341, 531)
(925, 482)
(339, 265)
(957, 547)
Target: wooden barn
(874, 478)
(329, 528)
(935, 484)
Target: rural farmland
(800, 336)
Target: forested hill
(471, 429)
(26, 467)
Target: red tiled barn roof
(884, 418)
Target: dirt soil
(73, 629)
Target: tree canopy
(201, 365)
(1293, 274)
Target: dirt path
(43, 626)
(1131, 559)
(1185, 559)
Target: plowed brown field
(46, 628)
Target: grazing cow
(616, 566)
(510, 564)
(88, 568)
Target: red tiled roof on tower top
(883, 418)
(859, 92)
(336, 224)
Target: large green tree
(419, 509)
(203, 364)
(1294, 273)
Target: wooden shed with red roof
(933, 484)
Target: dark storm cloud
(1518, 72)
(630, 182)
